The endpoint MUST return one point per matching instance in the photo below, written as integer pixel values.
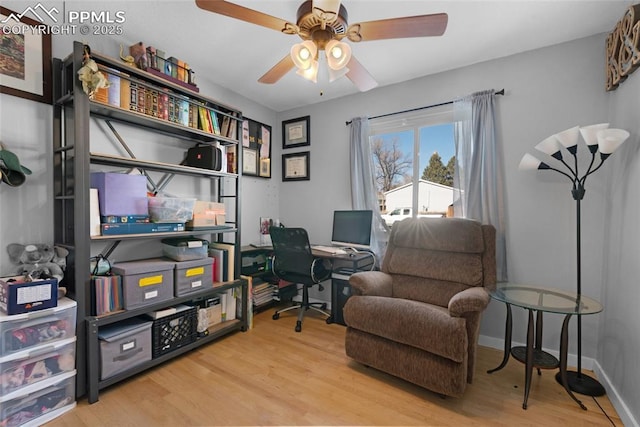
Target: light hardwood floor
(272, 375)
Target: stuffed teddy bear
(38, 260)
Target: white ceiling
(234, 54)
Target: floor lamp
(599, 139)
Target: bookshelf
(74, 157)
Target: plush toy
(39, 260)
(91, 78)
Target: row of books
(224, 261)
(132, 95)
(263, 293)
(107, 294)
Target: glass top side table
(540, 300)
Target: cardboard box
(18, 296)
(207, 214)
(121, 194)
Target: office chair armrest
(375, 283)
(471, 299)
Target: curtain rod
(500, 92)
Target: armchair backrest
(432, 259)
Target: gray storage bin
(193, 276)
(124, 345)
(145, 282)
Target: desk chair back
(293, 260)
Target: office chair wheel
(298, 326)
(276, 316)
(324, 306)
(329, 320)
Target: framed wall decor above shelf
(256, 149)
(295, 167)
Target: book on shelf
(224, 128)
(106, 292)
(114, 89)
(141, 228)
(233, 127)
(214, 122)
(115, 219)
(163, 106)
(229, 257)
(205, 119)
(125, 93)
(218, 264)
(140, 104)
(231, 152)
(133, 97)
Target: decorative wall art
(295, 132)
(295, 167)
(256, 149)
(25, 59)
(623, 48)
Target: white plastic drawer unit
(22, 332)
(39, 403)
(37, 364)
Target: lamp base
(583, 384)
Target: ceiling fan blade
(394, 28)
(360, 76)
(278, 71)
(242, 13)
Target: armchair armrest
(375, 283)
(471, 299)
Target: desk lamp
(599, 139)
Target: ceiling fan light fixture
(338, 54)
(310, 73)
(304, 54)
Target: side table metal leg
(529, 360)
(539, 334)
(564, 348)
(507, 342)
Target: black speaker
(205, 157)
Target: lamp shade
(550, 146)
(304, 54)
(590, 133)
(338, 54)
(610, 139)
(569, 138)
(310, 73)
(529, 162)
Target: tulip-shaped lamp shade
(338, 54)
(529, 162)
(609, 140)
(304, 54)
(569, 139)
(550, 146)
(310, 73)
(590, 135)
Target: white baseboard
(587, 363)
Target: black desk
(255, 263)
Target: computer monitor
(352, 229)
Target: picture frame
(296, 132)
(296, 167)
(256, 138)
(249, 161)
(25, 60)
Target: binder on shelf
(230, 251)
(218, 264)
(141, 228)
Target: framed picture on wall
(295, 132)
(25, 59)
(256, 148)
(295, 167)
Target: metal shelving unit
(72, 160)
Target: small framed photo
(249, 161)
(295, 132)
(25, 60)
(295, 167)
(265, 168)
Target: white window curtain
(364, 195)
(478, 179)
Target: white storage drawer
(32, 366)
(21, 332)
(39, 403)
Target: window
(413, 157)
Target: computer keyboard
(329, 249)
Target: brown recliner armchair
(419, 318)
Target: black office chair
(294, 262)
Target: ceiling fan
(322, 25)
